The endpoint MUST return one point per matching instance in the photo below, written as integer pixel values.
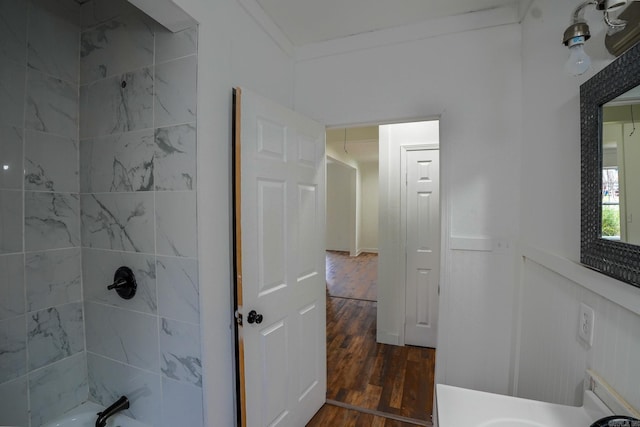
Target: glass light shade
(578, 62)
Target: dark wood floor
(362, 373)
(335, 416)
(352, 277)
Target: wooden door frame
(241, 407)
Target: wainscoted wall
(42, 344)
(138, 204)
(97, 114)
(555, 371)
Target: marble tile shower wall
(42, 340)
(97, 150)
(138, 208)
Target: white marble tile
(58, 388)
(175, 100)
(180, 351)
(181, 404)
(53, 278)
(67, 10)
(120, 221)
(176, 223)
(14, 409)
(99, 267)
(96, 12)
(13, 348)
(11, 285)
(11, 221)
(54, 334)
(123, 335)
(178, 289)
(51, 220)
(12, 84)
(54, 36)
(176, 157)
(175, 45)
(122, 162)
(13, 31)
(52, 105)
(114, 47)
(11, 140)
(108, 380)
(51, 162)
(109, 108)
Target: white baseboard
(337, 249)
(368, 251)
(388, 338)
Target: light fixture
(574, 38)
(578, 33)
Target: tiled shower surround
(97, 170)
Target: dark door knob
(254, 317)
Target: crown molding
(426, 29)
(253, 8)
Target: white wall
(472, 81)
(363, 234)
(369, 207)
(335, 150)
(341, 201)
(232, 51)
(551, 361)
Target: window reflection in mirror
(621, 168)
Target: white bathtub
(85, 415)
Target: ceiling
(361, 143)
(311, 21)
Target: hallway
(381, 380)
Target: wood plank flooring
(352, 277)
(335, 416)
(362, 373)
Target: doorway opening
(371, 367)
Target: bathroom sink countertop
(459, 407)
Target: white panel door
(280, 264)
(422, 219)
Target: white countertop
(459, 407)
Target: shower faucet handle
(117, 285)
(124, 282)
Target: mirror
(610, 175)
(621, 168)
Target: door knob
(254, 317)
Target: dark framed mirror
(610, 169)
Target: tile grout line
(23, 219)
(155, 220)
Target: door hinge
(238, 317)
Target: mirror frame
(616, 259)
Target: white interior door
(422, 227)
(280, 226)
